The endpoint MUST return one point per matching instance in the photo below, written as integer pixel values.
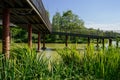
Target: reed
(91, 64)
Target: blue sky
(102, 14)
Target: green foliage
(18, 34)
(27, 64)
(56, 21)
(71, 22)
(93, 64)
(67, 22)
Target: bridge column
(6, 33)
(30, 35)
(97, 43)
(103, 43)
(117, 43)
(88, 41)
(110, 42)
(43, 42)
(39, 40)
(66, 42)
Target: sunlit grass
(63, 64)
(100, 64)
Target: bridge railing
(111, 34)
(39, 6)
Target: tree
(67, 22)
(71, 22)
(18, 34)
(56, 22)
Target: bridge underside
(28, 14)
(24, 12)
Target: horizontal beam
(28, 23)
(20, 8)
(16, 8)
(22, 14)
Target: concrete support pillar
(6, 33)
(30, 35)
(110, 42)
(103, 43)
(43, 42)
(88, 41)
(66, 41)
(39, 40)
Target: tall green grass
(91, 64)
(25, 64)
(101, 64)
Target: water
(51, 47)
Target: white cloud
(108, 27)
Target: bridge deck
(83, 35)
(25, 12)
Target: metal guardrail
(39, 6)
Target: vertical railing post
(30, 36)
(6, 33)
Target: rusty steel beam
(6, 33)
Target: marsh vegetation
(26, 64)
